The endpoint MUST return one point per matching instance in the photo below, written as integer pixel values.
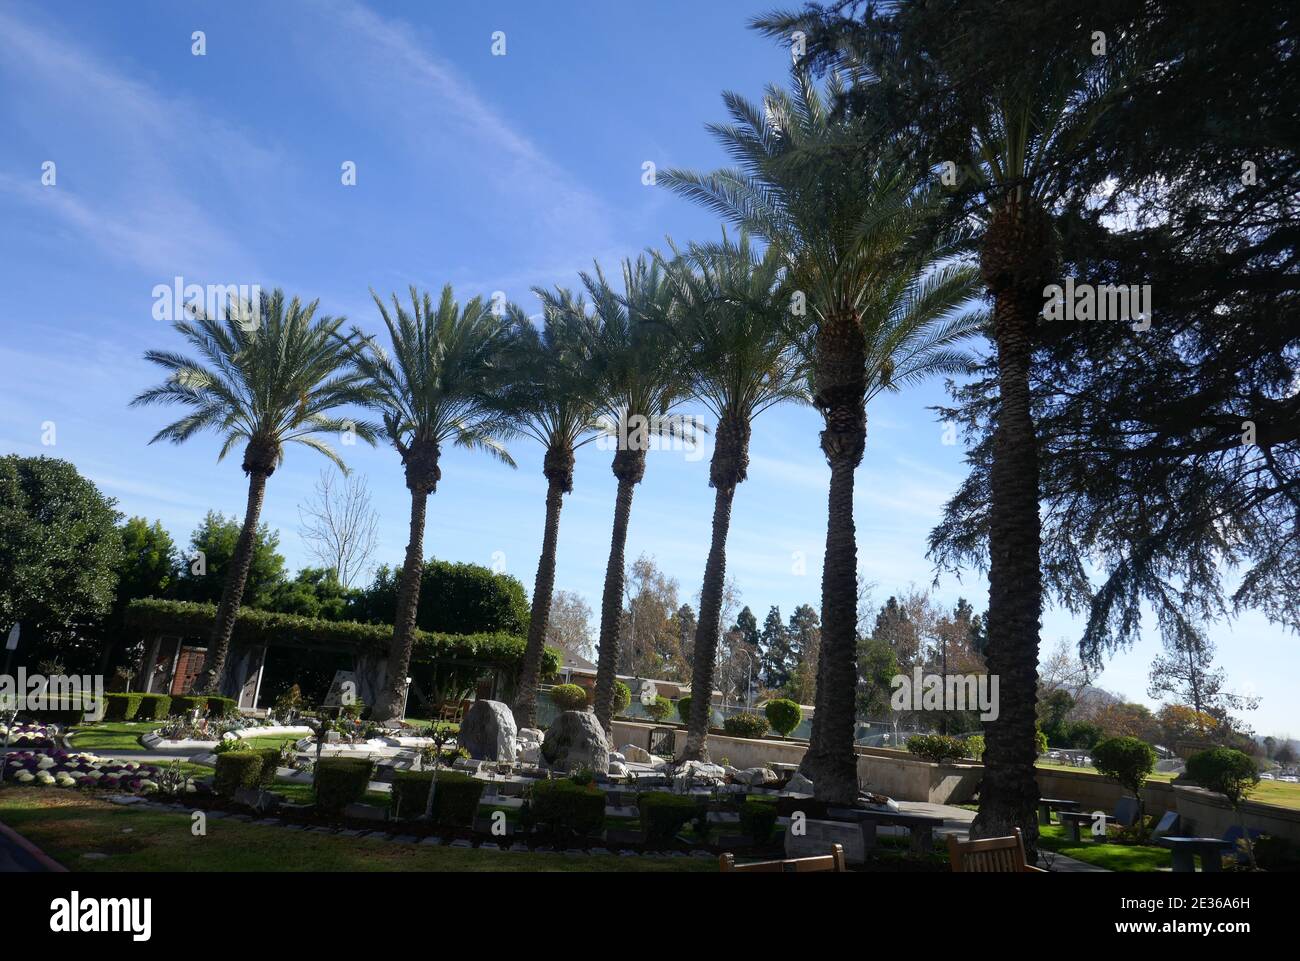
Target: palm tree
(738, 353)
(848, 220)
(640, 382)
(268, 374)
(552, 399)
(439, 385)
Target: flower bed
(69, 770)
(32, 737)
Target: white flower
(24, 776)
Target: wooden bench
(990, 855)
(826, 862)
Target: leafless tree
(569, 626)
(338, 525)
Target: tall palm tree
(640, 383)
(738, 352)
(553, 399)
(438, 386)
(848, 220)
(268, 374)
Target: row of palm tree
(851, 295)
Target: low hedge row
(455, 802)
(210, 704)
(138, 706)
(663, 815)
(341, 781)
(757, 818)
(246, 769)
(568, 807)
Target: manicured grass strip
(111, 736)
(1105, 854)
(1047, 765)
(66, 825)
(1282, 793)
(272, 740)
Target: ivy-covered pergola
(175, 635)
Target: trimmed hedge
(254, 627)
(222, 706)
(184, 704)
(121, 707)
(270, 765)
(622, 697)
(236, 770)
(341, 781)
(745, 725)
(659, 708)
(663, 815)
(757, 819)
(684, 708)
(937, 747)
(569, 697)
(153, 707)
(569, 808)
(455, 803)
(783, 714)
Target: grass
(111, 736)
(273, 740)
(67, 825)
(1104, 854)
(1281, 793)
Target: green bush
(569, 808)
(684, 708)
(663, 815)
(235, 770)
(783, 714)
(270, 764)
(341, 781)
(121, 707)
(757, 819)
(745, 725)
(222, 706)
(936, 747)
(1225, 771)
(975, 746)
(1126, 760)
(454, 803)
(659, 708)
(153, 707)
(569, 697)
(184, 704)
(1040, 741)
(622, 697)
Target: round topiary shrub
(684, 708)
(1224, 771)
(784, 715)
(622, 697)
(936, 747)
(569, 697)
(1126, 760)
(745, 725)
(659, 708)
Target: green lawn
(1104, 854)
(1281, 793)
(111, 736)
(273, 740)
(67, 824)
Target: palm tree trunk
(232, 592)
(408, 601)
(707, 628)
(611, 605)
(839, 372)
(525, 709)
(1009, 794)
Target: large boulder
(799, 785)
(637, 755)
(488, 732)
(755, 777)
(574, 741)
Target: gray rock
(488, 731)
(799, 785)
(575, 740)
(755, 777)
(637, 755)
(529, 735)
(617, 768)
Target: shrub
(184, 704)
(153, 706)
(569, 808)
(783, 714)
(659, 708)
(936, 747)
(222, 706)
(569, 697)
(622, 697)
(341, 781)
(1126, 760)
(745, 725)
(1225, 771)
(684, 708)
(757, 819)
(236, 770)
(663, 815)
(270, 764)
(975, 746)
(1040, 741)
(121, 707)
(454, 803)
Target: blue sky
(488, 172)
